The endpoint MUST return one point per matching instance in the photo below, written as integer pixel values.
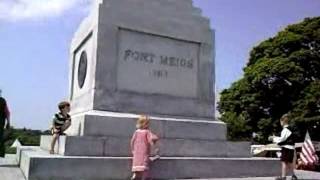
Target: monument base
(98, 133)
(103, 123)
(98, 148)
(117, 146)
(37, 164)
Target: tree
(282, 75)
(27, 137)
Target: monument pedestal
(185, 152)
(153, 57)
(108, 134)
(37, 164)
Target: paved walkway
(302, 175)
(9, 170)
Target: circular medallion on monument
(82, 69)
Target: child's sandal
(133, 177)
(154, 158)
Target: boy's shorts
(57, 130)
(287, 155)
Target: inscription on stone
(157, 65)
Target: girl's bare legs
(145, 175)
(137, 175)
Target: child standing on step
(287, 142)
(61, 122)
(141, 144)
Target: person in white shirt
(286, 141)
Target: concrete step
(8, 160)
(100, 123)
(39, 165)
(118, 146)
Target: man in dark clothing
(4, 116)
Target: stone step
(38, 165)
(117, 146)
(100, 123)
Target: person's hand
(154, 138)
(8, 126)
(157, 151)
(270, 138)
(55, 131)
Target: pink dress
(141, 143)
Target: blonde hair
(143, 122)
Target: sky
(35, 36)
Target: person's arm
(152, 138)
(285, 133)
(132, 142)
(54, 119)
(7, 112)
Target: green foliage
(10, 150)
(26, 137)
(237, 126)
(282, 75)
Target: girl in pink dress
(141, 143)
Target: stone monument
(153, 57)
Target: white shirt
(285, 133)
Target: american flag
(308, 155)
